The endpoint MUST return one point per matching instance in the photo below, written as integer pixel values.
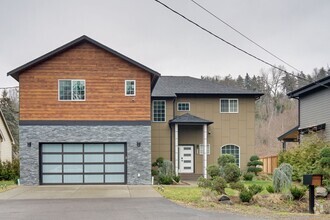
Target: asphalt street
(106, 208)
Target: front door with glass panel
(83, 163)
(186, 159)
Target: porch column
(176, 148)
(205, 151)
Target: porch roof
(290, 136)
(189, 119)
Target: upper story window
(233, 150)
(71, 90)
(229, 105)
(130, 87)
(183, 106)
(158, 110)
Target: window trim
(72, 100)
(239, 153)
(183, 103)
(229, 99)
(153, 120)
(130, 80)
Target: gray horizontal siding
(315, 109)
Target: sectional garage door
(83, 163)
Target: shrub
(167, 168)
(270, 189)
(9, 170)
(282, 177)
(305, 158)
(219, 184)
(325, 157)
(245, 196)
(239, 186)
(203, 182)
(253, 165)
(176, 178)
(165, 179)
(225, 159)
(213, 171)
(248, 176)
(159, 162)
(154, 172)
(231, 172)
(297, 193)
(255, 189)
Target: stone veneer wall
(138, 158)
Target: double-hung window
(130, 87)
(71, 90)
(183, 106)
(229, 105)
(158, 111)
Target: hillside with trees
(275, 112)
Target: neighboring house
(192, 116)
(90, 115)
(6, 140)
(313, 111)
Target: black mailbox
(315, 179)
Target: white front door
(186, 159)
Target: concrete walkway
(83, 191)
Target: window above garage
(71, 90)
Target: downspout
(171, 135)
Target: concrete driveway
(76, 192)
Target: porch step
(190, 176)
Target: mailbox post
(312, 181)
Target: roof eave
(309, 88)
(7, 127)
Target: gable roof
(171, 86)
(189, 119)
(15, 73)
(311, 88)
(2, 118)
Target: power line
(243, 35)
(236, 47)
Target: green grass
(5, 185)
(183, 194)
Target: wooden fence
(270, 163)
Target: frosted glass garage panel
(52, 178)
(94, 168)
(73, 178)
(52, 148)
(72, 148)
(93, 148)
(94, 178)
(73, 168)
(115, 178)
(52, 168)
(114, 168)
(52, 158)
(73, 158)
(93, 158)
(115, 148)
(114, 158)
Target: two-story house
(90, 115)
(6, 140)
(313, 111)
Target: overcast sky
(297, 31)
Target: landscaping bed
(262, 205)
(7, 185)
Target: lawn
(6, 185)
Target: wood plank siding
(314, 110)
(105, 76)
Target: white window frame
(153, 120)
(201, 149)
(229, 106)
(130, 80)
(71, 100)
(183, 110)
(239, 153)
